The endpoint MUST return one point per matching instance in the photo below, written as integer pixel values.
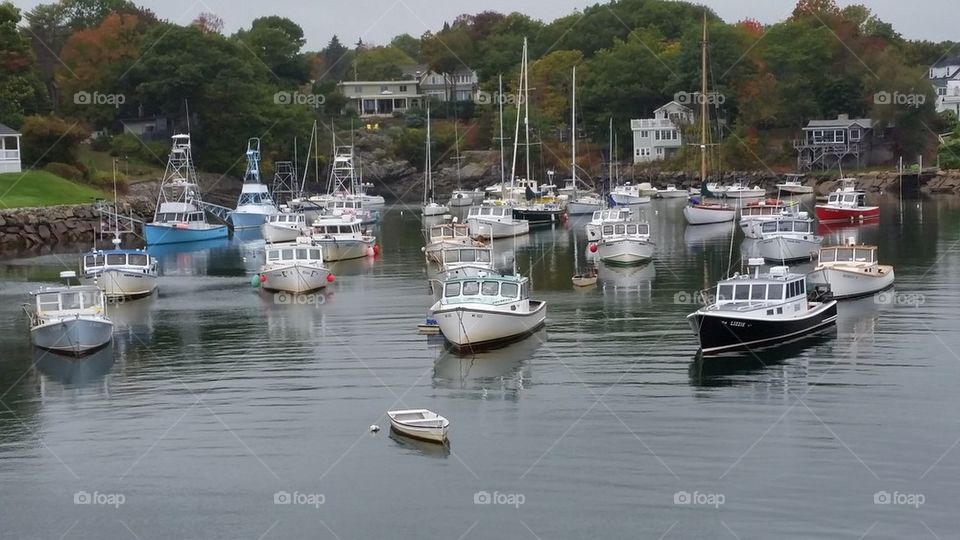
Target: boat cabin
(848, 198)
(613, 214)
(449, 231)
(291, 253)
(746, 292)
(781, 226)
(490, 212)
(486, 290)
(345, 205)
(287, 219)
(625, 229)
(337, 228)
(180, 217)
(762, 210)
(848, 254)
(258, 197)
(99, 261)
(467, 255)
(83, 299)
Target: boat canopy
(856, 254)
(625, 229)
(485, 290)
(745, 292)
(467, 255)
(102, 260)
(294, 253)
(85, 298)
(788, 226)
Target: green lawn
(40, 188)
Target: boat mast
(610, 156)
(526, 108)
(703, 104)
(500, 101)
(516, 131)
(573, 131)
(427, 188)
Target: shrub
(64, 171)
(125, 145)
(50, 139)
(101, 143)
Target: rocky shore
(50, 226)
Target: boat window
(483, 256)
(93, 260)
(844, 255)
(644, 228)
(315, 254)
(287, 255)
(116, 259)
(509, 290)
(785, 226)
(273, 255)
(833, 199)
(742, 292)
(770, 226)
(490, 288)
(802, 287)
(468, 255)
(89, 298)
(48, 302)
(775, 291)
(485, 211)
(70, 300)
(138, 259)
(801, 226)
(619, 229)
(474, 212)
(302, 254)
(608, 229)
(451, 289)
(758, 292)
(524, 291)
(471, 288)
(828, 255)
(451, 256)
(864, 255)
(725, 292)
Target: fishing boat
(794, 186)
(846, 204)
(788, 239)
(487, 309)
(121, 274)
(420, 424)
(625, 244)
(284, 227)
(70, 319)
(295, 267)
(255, 204)
(628, 194)
(488, 222)
(342, 238)
(454, 258)
(179, 215)
(671, 192)
(699, 212)
(753, 215)
(462, 198)
(443, 236)
(605, 217)
(852, 271)
(430, 207)
(742, 191)
(369, 200)
(756, 310)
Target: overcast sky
(377, 21)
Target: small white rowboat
(420, 424)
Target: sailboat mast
(610, 156)
(516, 130)
(427, 179)
(573, 130)
(500, 101)
(526, 107)
(703, 105)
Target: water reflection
(418, 447)
(71, 372)
(700, 236)
(188, 259)
(494, 369)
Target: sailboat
(179, 215)
(255, 204)
(700, 212)
(580, 203)
(430, 207)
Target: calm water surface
(215, 400)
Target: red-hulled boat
(848, 205)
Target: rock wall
(49, 226)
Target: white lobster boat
(754, 215)
(628, 194)
(294, 267)
(462, 198)
(443, 236)
(625, 244)
(671, 192)
(284, 227)
(788, 239)
(605, 217)
(489, 222)
(70, 319)
(420, 424)
(486, 309)
(121, 274)
(699, 213)
(342, 238)
(742, 191)
(852, 271)
(584, 204)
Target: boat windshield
(93, 261)
(294, 254)
(254, 198)
(73, 300)
(485, 290)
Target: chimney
(843, 116)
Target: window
(775, 291)
(138, 259)
(660, 151)
(844, 255)
(471, 288)
(403, 88)
(70, 300)
(287, 255)
(116, 259)
(315, 254)
(742, 292)
(607, 229)
(468, 255)
(644, 134)
(490, 288)
(758, 292)
(855, 134)
(509, 290)
(357, 89)
(273, 255)
(451, 256)
(384, 88)
(828, 255)
(451, 289)
(483, 256)
(48, 302)
(302, 254)
(725, 293)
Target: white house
(658, 137)
(382, 98)
(945, 78)
(460, 85)
(9, 150)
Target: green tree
(50, 139)
(409, 45)
(380, 63)
(277, 41)
(21, 91)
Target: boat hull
(745, 194)
(705, 215)
(344, 250)
(830, 214)
(121, 284)
(796, 190)
(273, 233)
(435, 210)
(161, 234)
(624, 199)
(248, 220)
(624, 252)
(853, 284)
(724, 331)
(466, 327)
(785, 248)
(497, 229)
(295, 279)
(575, 208)
(436, 434)
(75, 335)
(673, 194)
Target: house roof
(677, 103)
(7, 130)
(947, 62)
(361, 83)
(865, 123)
(942, 81)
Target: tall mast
(573, 130)
(516, 130)
(526, 107)
(427, 177)
(703, 105)
(610, 156)
(500, 101)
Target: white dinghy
(420, 424)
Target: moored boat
(628, 194)
(846, 204)
(852, 271)
(604, 217)
(703, 213)
(794, 186)
(625, 244)
(121, 274)
(342, 238)
(788, 239)
(284, 227)
(294, 267)
(255, 203)
(671, 192)
(70, 319)
(420, 424)
(753, 215)
(495, 221)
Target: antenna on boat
(186, 105)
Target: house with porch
(382, 98)
(9, 150)
(945, 78)
(461, 85)
(842, 141)
(658, 137)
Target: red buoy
(329, 278)
(263, 278)
(593, 248)
(376, 249)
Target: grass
(40, 188)
(131, 169)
